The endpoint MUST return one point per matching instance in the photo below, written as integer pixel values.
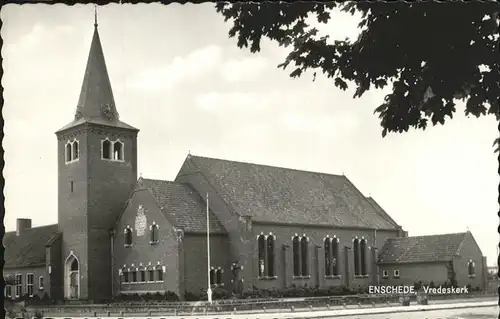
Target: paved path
(469, 310)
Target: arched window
(212, 276)
(74, 265)
(328, 256)
(270, 256)
(125, 275)
(472, 268)
(118, 151)
(133, 275)
(356, 256)
(142, 274)
(218, 276)
(75, 151)
(362, 249)
(296, 256)
(128, 237)
(151, 274)
(261, 242)
(68, 150)
(304, 245)
(106, 149)
(154, 234)
(159, 273)
(335, 256)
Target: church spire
(96, 100)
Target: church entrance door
(72, 278)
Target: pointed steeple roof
(96, 103)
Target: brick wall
(469, 250)
(411, 273)
(195, 260)
(166, 251)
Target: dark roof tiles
(274, 194)
(183, 206)
(433, 248)
(28, 249)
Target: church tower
(97, 164)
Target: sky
(178, 77)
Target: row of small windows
(395, 273)
(471, 267)
(112, 150)
(216, 276)
(142, 275)
(153, 235)
(18, 286)
(72, 151)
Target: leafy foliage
(433, 54)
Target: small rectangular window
(19, 285)
(396, 273)
(41, 283)
(8, 291)
(30, 278)
(385, 274)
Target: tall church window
(106, 149)
(154, 233)
(118, 151)
(8, 291)
(68, 152)
(30, 284)
(355, 245)
(328, 256)
(261, 242)
(471, 268)
(270, 256)
(41, 284)
(128, 237)
(76, 150)
(335, 256)
(304, 250)
(363, 251)
(296, 256)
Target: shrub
(171, 296)
(190, 296)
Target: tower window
(154, 234)
(75, 153)
(106, 149)
(118, 151)
(71, 186)
(68, 152)
(128, 237)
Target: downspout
(112, 235)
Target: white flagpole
(209, 290)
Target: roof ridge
(266, 165)
(33, 228)
(422, 236)
(159, 180)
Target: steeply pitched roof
(28, 249)
(433, 248)
(381, 211)
(96, 103)
(182, 205)
(282, 195)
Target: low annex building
(270, 227)
(433, 259)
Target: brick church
(270, 227)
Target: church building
(269, 227)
